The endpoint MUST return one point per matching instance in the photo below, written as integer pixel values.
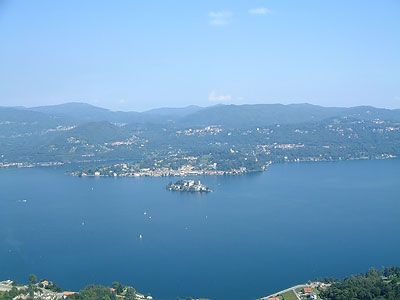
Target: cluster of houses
(309, 293)
(44, 294)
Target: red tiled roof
(67, 293)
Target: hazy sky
(138, 55)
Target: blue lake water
(256, 234)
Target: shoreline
(164, 172)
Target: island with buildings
(188, 186)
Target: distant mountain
(371, 113)
(19, 121)
(242, 135)
(83, 112)
(73, 109)
(177, 112)
(232, 116)
(23, 115)
(237, 116)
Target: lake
(254, 235)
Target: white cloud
(214, 97)
(219, 18)
(260, 11)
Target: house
(307, 290)
(313, 296)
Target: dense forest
(373, 285)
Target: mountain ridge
(224, 115)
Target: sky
(140, 55)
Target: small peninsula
(188, 186)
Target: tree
(118, 287)
(32, 279)
(130, 293)
(31, 290)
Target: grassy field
(289, 296)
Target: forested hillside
(224, 138)
(374, 285)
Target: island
(188, 186)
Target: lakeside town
(47, 290)
(129, 170)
